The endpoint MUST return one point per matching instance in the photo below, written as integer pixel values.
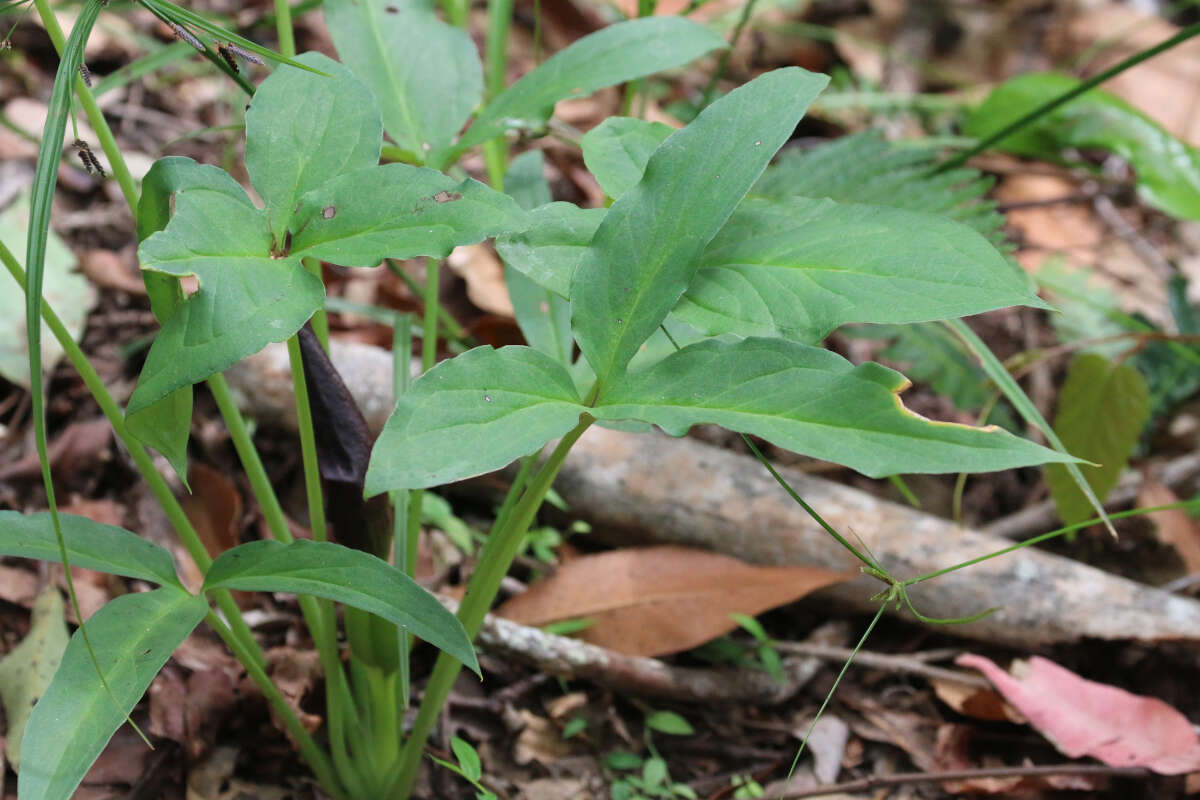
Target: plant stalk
(494, 560)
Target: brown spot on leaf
(329, 212)
(447, 197)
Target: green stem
(95, 116)
(320, 320)
(308, 444)
(812, 512)
(283, 28)
(495, 151)
(141, 459)
(723, 62)
(1050, 535)
(404, 534)
(1045, 108)
(320, 625)
(453, 329)
(317, 760)
(429, 322)
(494, 560)
(456, 12)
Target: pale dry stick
(884, 661)
(882, 781)
(574, 659)
(1149, 254)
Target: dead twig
(574, 659)
(884, 661)
(903, 779)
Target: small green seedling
(468, 767)
(768, 656)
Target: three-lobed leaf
(312, 150)
(645, 251)
(132, 636)
(247, 298)
(352, 577)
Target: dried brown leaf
(1173, 527)
(653, 601)
(976, 702)
(481, 269)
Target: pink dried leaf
(1085, 718)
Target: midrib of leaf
(405, 109)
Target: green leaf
(334, 572)
(133, 636)
(622, 759)
(616, 151)
(247, 298)
(302, 130)
(30, 666)
(67, 290)
(398, 211)
(654, 771)
(810, 401)
(799, 268)
(616, 54)
(1168, 170)
(928, 353)
(646, 250)
(544, 317)
(473, 414)
(551, 249)
(863, 168)
(468, 759)
(425, 74)
(90, 544)
(574, 727)
(166, 423)
(669, 722)
(166, 178)
(1101, 411)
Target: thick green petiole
(494, 560)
